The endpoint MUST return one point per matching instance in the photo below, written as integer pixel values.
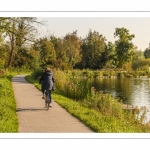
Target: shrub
(120, 75)
(105, 103)
(36, 74)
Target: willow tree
(124, 46)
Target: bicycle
(47, 99)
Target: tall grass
(67, 83)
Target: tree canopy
(124, 46)
(19, 46)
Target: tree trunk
(11, 56)
(12, 45)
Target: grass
(98, 121)
(8, 116)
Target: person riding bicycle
(47, 82)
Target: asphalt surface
(33, 116)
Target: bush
(141, 64)
(120, 75)
(36, 74)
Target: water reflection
(132, 91)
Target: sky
(60, 26)
(102, 16)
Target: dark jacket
(47, 80)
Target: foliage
(72, 46)
(18, 48)
(4, 50)
(47, 53)
(60, 81)
(142, 64)
(2, 72)
(93, 48)
(147, 53)
(124, 46)
(139, 55)
(36, 73)
(88, 73)
(109, 56)
(18, 31)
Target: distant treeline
(19, 47)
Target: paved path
(33, 117)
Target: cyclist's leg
(50, 96)
(47, 99)
(45, 96)
(43, 92)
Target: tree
(139, 62)
(124, 46)
(139, 54)
(33, 59)
(4, 50)
(61, 58)
(68, 50)
(47, 53)
(18, 31)
(147, 53)
(93, 48)
(72, 47)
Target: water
(132, 91)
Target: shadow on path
(19, 80)
(30, 109)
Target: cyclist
(47, 82)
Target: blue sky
(60, 26)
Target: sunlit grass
(8, 116)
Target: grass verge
(8, 116)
